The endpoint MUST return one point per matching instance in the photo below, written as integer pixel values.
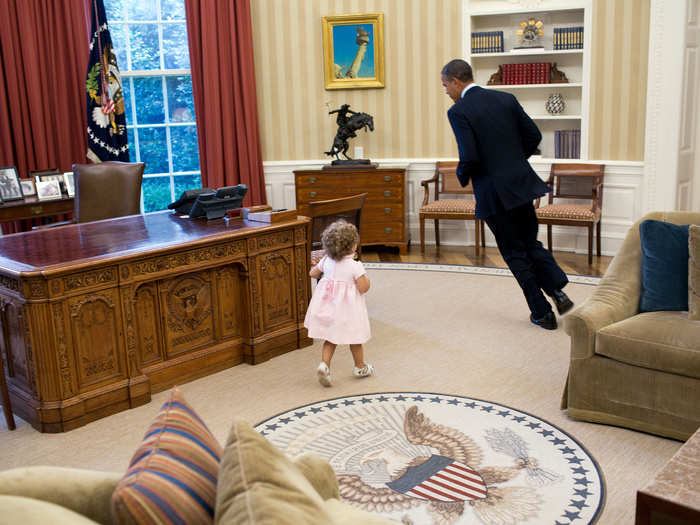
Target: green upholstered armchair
(631, 369)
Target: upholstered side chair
(445, 182)
(574, 182)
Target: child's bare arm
(315, 272)
(362, 284)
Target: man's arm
(466, 144)
(530, 135)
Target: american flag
(442, 479)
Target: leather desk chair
(107, 190)
(323, 213)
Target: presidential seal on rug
(423, 458)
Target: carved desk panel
(97, 316)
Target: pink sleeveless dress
(337, 311)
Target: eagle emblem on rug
(394, 459)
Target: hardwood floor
(571, 263)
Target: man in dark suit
(495, 138)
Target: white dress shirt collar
(471, 85)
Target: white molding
(622, 201)
(664, 90)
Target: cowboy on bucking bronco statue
(347, 125)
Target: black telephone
(213, 205)
(186, 200)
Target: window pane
(132, 144)
(153, 149)
(148, 92)
(175, 51)
(118, 34)
(114, 9)
(143, 9)
(180, 101)
(126, 89)
(184, 148)
(186, 182)
(156, 193)
(172, 9)
(144, 46)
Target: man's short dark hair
(458, 69)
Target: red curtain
(43, 64)
(223, 84)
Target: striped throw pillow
(173, 474)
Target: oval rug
(424, 458)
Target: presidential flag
(106, 121)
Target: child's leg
(358, 355)
(328, 351)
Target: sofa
(632, 369)
(181, 475)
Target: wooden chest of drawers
(384, 213)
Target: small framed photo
(10, 188)
(50, 176)
(353, 51)
(48, 189)
(28, 188)
(69, 183)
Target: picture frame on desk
(28, 187)
(69, 183)
(57, 176)
(353, 51)
(10, 188)
(48, 190)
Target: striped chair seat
(573, 212)
(449, 206)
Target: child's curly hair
(338, 239)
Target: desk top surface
(112, 239)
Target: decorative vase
(555, 104)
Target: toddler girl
(337, 312)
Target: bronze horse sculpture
(347, 128)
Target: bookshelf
(492, 16)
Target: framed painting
(353, 51)
(28, 188)
(10, 188)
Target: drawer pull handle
(387, 178)
(387, 230)
(36, 210)
(312, 180)
(387, 193)
(387, 210)
(312, 194)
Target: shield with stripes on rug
(425, 458)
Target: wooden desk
(97, 316)
(31, 207)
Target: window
(150, 41)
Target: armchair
(574, 181)
(446, 183)
(631, 369)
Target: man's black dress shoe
(562, 301)
(548, 322)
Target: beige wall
(420, 36)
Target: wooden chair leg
(6, 406)
(437, 236)
(477, 236)
(421, 219)
(549, 237)
(483, 233)
(597, 235)
(590, 244)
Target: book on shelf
(270, 216)
(568, 38)
(487, 42)
(567, 144)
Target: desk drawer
(348, 181)
(375, 194)
(384, 211)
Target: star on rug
(425, 458)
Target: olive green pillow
(259, 484)
(694, 272)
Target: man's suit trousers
(532, 265)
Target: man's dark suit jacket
(495, 137)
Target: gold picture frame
(353, 51)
